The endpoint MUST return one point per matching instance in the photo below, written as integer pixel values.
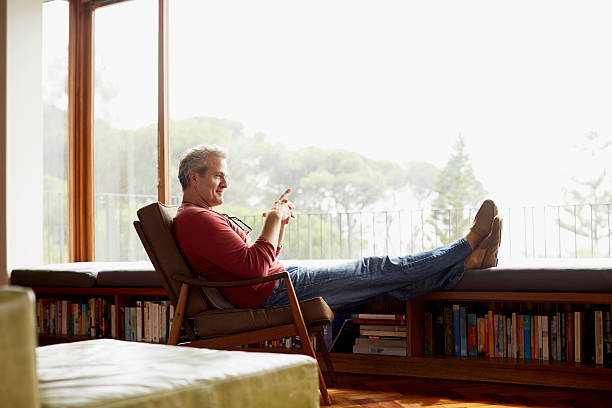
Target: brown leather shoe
(484, 218)
(491, 244)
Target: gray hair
(196, 159)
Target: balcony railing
(551, 231)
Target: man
(220, 250)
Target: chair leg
(303, 333)
(326, 358)
(179, 314)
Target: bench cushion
(73, 274)
(541, 275)
(121, 374)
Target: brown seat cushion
(214, 323)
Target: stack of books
(383, 334)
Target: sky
(521, 81)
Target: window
(125, 129)
(55, 131)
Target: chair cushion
(225, 322)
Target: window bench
(531, 282)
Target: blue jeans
(356, 281)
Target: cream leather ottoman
(113, 373)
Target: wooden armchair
(208, 318)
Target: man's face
(211, 185)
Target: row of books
(383, 334)
(285, 343)
(148, 321)
(578, 336)
(88, 318)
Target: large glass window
(55, 130)
(125, 130)
(392, 120)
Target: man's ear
(193, 177)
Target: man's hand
(283, 207)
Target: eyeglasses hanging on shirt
(239, 223)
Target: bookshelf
(118, 297)
(416, 364)
(505, 370)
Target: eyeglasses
(239, 223)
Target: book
(389, 351)
(456, 331)
(545, 339)
(553, 338)
(428, 334)
(491, 343)
(558, 326)
(139, 336)
(378, 316)
(527, 337)
(531, 335)
(536, 338)
(563, 344)
(384, 333)
(521, 336)
(598, 337)
(578, 319)
(390, 328)
(397, 343)
(480, 323)
(472, 336)
(514, 336)
(486, 336)
(438, 333)
(383, 322)
(496, 335)
(607, 359)
(449, 340)
(569, 330)
(463, 330)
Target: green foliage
(595, 187)
(457, 189)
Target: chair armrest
(232, 284)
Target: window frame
(81, 228)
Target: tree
(587, 195)
(458, 191)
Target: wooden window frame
(81, 194)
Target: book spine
(527, 337)
(545, 338)
(578, 337)
(536, 338)
(113, 319)
(553, 338)
(139, 336)
(496, 335)
(598, 337)
(463, 328)
(491, 343)
(521, 336)
(456, 331)
(514, 336)
(563, 336)
(472, 335)
(438, 335)
(428, 346)
(486, 336)
(569, 329)
(378, 316)
(607, 339)
(449, 342)
(480, 322)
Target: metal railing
(551, 231)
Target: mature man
(221, 250)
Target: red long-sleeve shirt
(220, 251)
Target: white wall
(21, 170)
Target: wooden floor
(394, 392)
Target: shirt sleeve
(218, 243)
